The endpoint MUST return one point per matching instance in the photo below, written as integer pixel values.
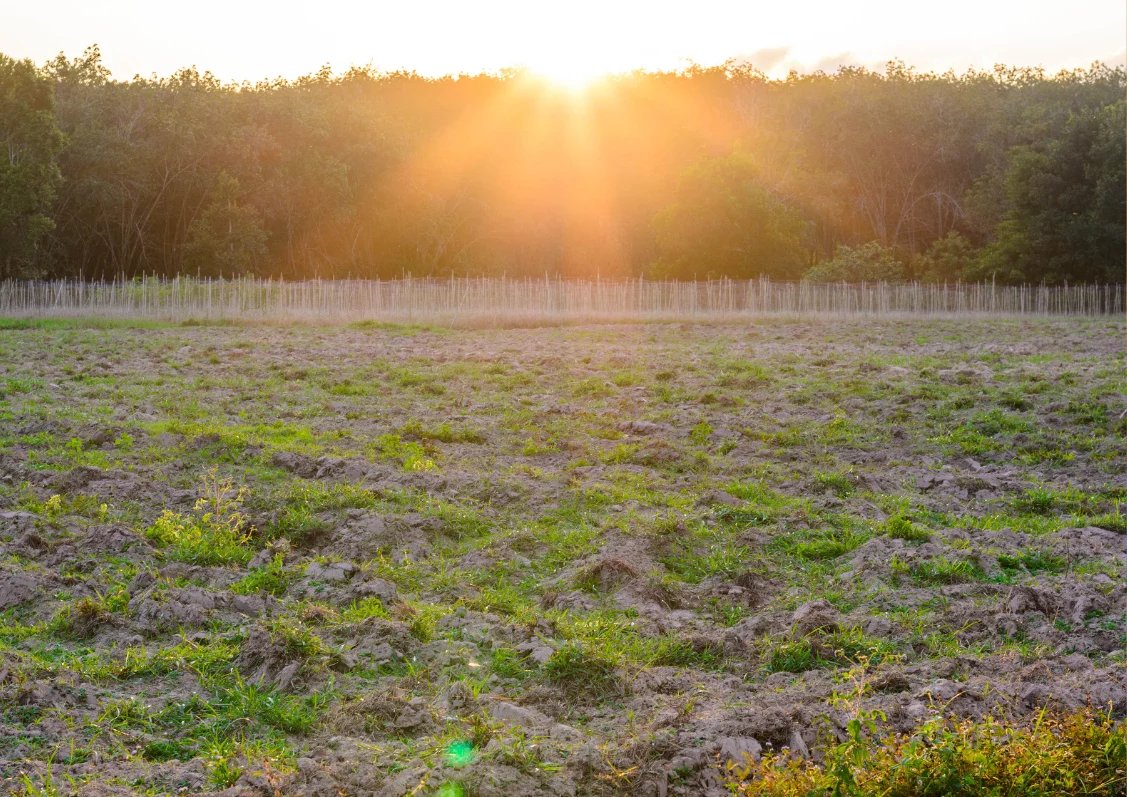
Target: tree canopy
(1010, 173)
(30, 141)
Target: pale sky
(250, 40)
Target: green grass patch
(840, 484)
(817, 651)
(821, 545)
(718, 558)
(272, 578)
(411, 455)
(578, 670)
(1033, 561)
(901, 527)
(940, 570)
(442, 432)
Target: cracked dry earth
(551, 561)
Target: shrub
(948, 259)
(1072, 754)
(868, 263)
(723, 218)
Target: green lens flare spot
(460, 754)
(450, 790)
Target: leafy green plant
(189, 539)
(216, 532)
(994, 422)
(167, 750)
(718, 559)
(79, 620)
(676, 652)
(423, 623)
(223, 771)
(967, 441)
(235, 704)
(828, 649)
(1046, 501)
(57, 507)
(1112, 521)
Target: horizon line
(730, 66)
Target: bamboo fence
(501, 300)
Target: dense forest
(1009, 174)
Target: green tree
(370, 174)
(30, 142)
(724, 222)
(227, 237)
(1066, 205)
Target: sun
(569, 73)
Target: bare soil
(566, 561)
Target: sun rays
(535, 153)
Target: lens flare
(460, 754)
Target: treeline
(1010, 175)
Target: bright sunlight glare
(576, 67)
(572, 76)
(572, 43)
